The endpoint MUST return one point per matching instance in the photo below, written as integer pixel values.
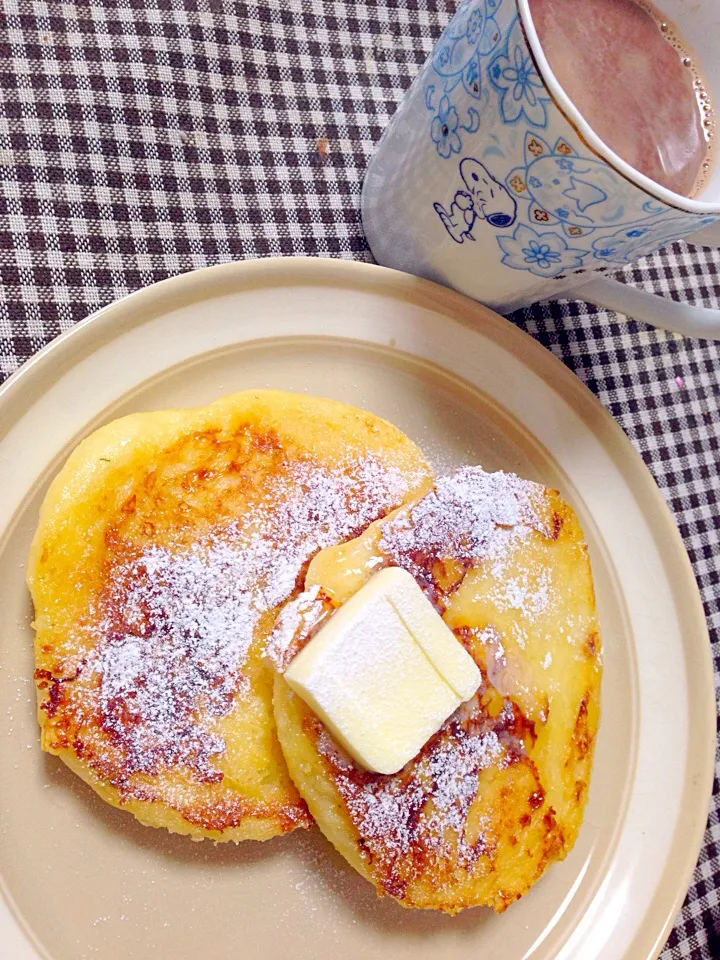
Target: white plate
(81, 879)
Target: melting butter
(385, 672)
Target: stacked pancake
(183, 558)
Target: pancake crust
(164, 549)
(498, 793)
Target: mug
(488, 180)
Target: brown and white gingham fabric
(143, 138)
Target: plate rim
(55, 357)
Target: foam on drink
(635, 82)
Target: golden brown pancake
(164, 548)
(498, 793)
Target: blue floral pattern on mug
(545, 254)
(512, 72)
(457, 63)
(628, 244)
(444, 129)
(550, 204)
(580, 186)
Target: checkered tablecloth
(143, 138)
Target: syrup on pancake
(498, 793)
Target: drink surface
(634, 82)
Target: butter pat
(444, 651)
(384, 673)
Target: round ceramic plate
(83, 880)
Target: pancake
(164, 549)
(498, 793)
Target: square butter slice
(384, 673)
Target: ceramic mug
(488, 179)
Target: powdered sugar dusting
(178, 622)
(470, 518)
(454, 769)
(526, 587)
(434, 801)
(469, 515)
(423, 809)
(294, 625)
(529, 592)
(189, 620)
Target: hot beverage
(634, 81)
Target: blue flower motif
(444, 129)
(625, 245)
(472, 74)
(513, 73)
(562, 213)
(543, 254)
(476, 22)
(565, 164)
(472, 32)
(540, 254)
(535, 182)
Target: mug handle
(681, 318)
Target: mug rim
(598, 146)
